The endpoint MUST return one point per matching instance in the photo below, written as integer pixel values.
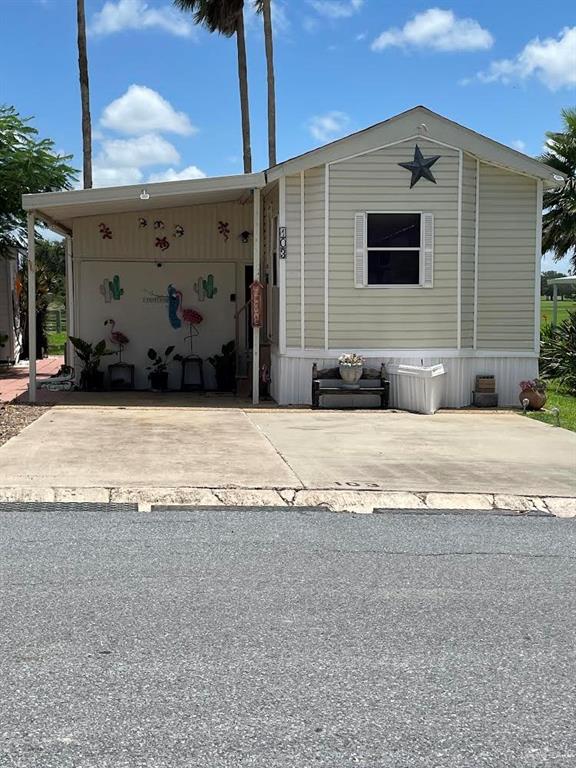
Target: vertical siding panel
(293, 227)
(506, 253)
(468, 250)
(314, 262)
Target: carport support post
(31, 307)
(256, 331)
(554, 305)
(69, 301)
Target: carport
(65, 212)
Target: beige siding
(201, 240)
(406, 318)
(314, 258)
(468, 249)
(270, 209)
(293, 261)
(506, 273)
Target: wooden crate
(485, 384)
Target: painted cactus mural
(111, 289)
(205, 288)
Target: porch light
(144, 195)
(245, 236)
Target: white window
(394, 249)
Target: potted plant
(535, 392)
(351, 367)
(91, 377)
(225, 367)
(159, 368)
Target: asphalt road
(296, 638)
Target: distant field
(56, 342)
(568, 305)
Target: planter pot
(158, 381)
(351, 374)
(92, 381)
(225, 380)
(536, 400)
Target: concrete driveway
(471, 452)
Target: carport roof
(58, 209)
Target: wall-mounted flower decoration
(142, 222)
(162, 243)
(178, 230)
(158, 224)
(105, 231)
(224, 229)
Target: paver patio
(108, 447)
(14, 380)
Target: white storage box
(416, 388)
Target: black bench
(327, 381)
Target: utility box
(416, 388)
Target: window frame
(420, 249)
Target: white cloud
(336, 9)
(137, 14)
(115, 177)
(142, 110)
(149, 149)
(330, 126)
(190, 172)
(552, 61)
(519, 145)
(437, 30)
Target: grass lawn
(565, 402)
(56, 342)
(568, 305)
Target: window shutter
(427, 250)
(360, 277)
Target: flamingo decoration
(193, 318)
(117, 337)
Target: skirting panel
(292, 376)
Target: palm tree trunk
(84, 95)
(244, 100)
(269, 43)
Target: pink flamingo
(193, 318)
(117, 337)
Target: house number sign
(282, 242)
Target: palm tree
(84, 95)
(227, 18)
(264, 7)
(559, 221)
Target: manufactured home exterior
(416, 241)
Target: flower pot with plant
(225, 367)
(534, 391)
(159, 368)
(90, 355)
(351, 368)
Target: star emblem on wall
(420, 167)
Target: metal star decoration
(420, 167)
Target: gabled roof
(419, 122)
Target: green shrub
(558, 352)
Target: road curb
(358, 501)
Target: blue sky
(165, 98)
